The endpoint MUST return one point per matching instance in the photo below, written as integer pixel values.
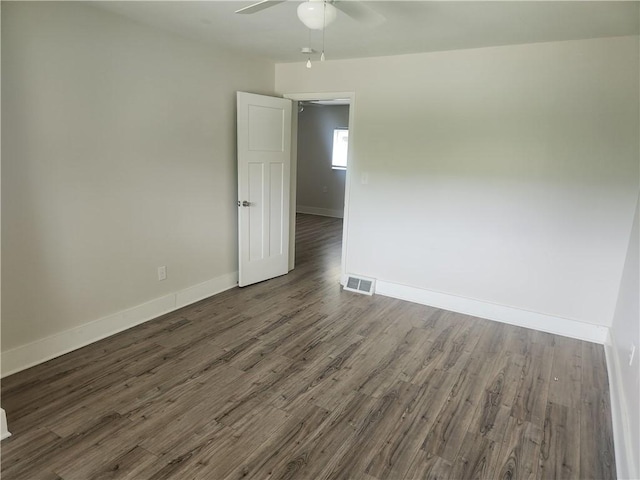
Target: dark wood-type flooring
(295, 379)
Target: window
(340, 147)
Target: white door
(264, 161)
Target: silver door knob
(246, 204)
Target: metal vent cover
(360, 285)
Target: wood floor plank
(565, 387)
(21, 449)
(45, 410)
(404, 439)
(295, 378)
(450, 428)
(531, 400)
(293, 394)
(60, 452)
(320, 450)
(218, 459)
(520, 451)
(597, 458)
(97, 464)
(354, 457)
(165, 436)
(492, 413)
(436, 357)
(337, 333)
(293, 432)
(177, 461)
(186, 395)
(433, 468)
(477, 458)
(560, 449)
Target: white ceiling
(411, 26)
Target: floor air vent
(360, 285)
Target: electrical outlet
(325, 189)
(632, 352)
(162, 273)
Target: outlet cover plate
(162, 273)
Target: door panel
(255, 213)
(276, 233)
(264, 161)
(270, 136)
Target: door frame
(308, 96)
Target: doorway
(323, 135)
(320, 180)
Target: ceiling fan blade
(360, 12)
(256, 7)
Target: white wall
(315, 147)
(507, 175)
(118, 156)
(625, 332)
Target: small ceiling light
(308, 51)
(316, 14)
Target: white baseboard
(625, 465)
(39, 351)
(499, 313)
(324, 212)
(4, 430)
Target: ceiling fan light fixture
(316, 14)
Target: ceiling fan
(317, 14)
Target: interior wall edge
(500, 313)
(42, 350)
(619, 415)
